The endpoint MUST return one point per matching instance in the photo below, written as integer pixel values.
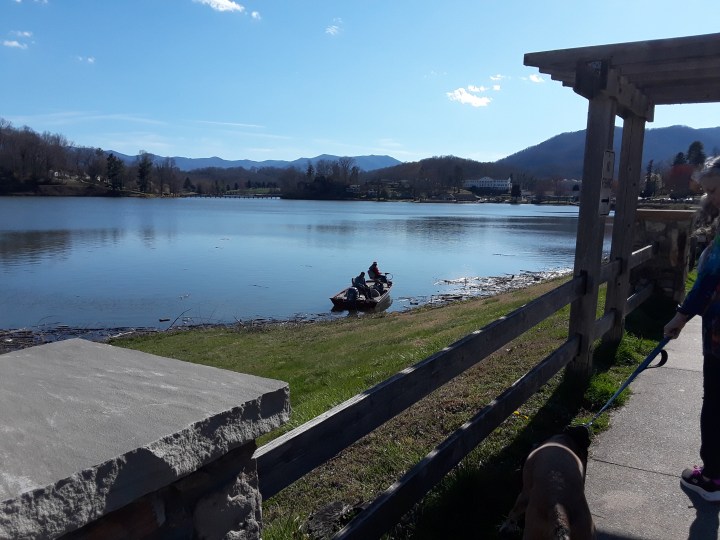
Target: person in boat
(375, 274)
(360, 283)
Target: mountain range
(562, 155)
(559, 156)
(365, 163)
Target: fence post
(598, 170)
(622, 236)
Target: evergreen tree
(115, 171)
(680, 159)
(696, 154)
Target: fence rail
(289, 457)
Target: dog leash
(659, 349)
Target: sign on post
(606, 182)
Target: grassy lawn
(326, 363)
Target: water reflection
(134, 262)
(35, 247)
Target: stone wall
(671, 232)
(219, 501)
(105, 442)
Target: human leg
(706, 480)
(709, 416)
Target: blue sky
(262, 79)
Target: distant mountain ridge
(365, 163)
(559, 156)
(562, 155)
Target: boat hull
(341, 301)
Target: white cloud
(496, 87)
(13, 44)
(255, 15)
(335, 28)
(466, 98)
(497, 77)
(222, 5)
(476, 89)
(536, 78)
(88, 59)
(22, 34)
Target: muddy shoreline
(459, 289)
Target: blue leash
(659, 349)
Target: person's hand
(675, 325)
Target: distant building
(487, 184)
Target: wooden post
(597, 167)
(623, 235)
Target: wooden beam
(591, 229)
(386, 510)
(638, 52)
(630, 100)
(684, 94)
(638, 298)
(623, 235)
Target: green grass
(326, 363)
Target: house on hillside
(489, 185)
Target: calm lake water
(102, 263)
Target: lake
(126, 262)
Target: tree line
(31, 161)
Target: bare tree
(144, 171)
(168, 175)
(345, 164)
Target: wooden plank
(638, 52)
(591, 229)
(638, 298)
(623, 234)
(642, 255)
(683, 94)
(609, 270)
(289, 457)
(391, 505)
(603, 324)
(631, 101)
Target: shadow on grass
(474, 499)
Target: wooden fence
(289, 457)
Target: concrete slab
(649, 506)
(633, 477)
(96, 426)
(651, 434)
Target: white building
(490, 184)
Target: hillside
(562, 155)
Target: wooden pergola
(626, 80)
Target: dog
(552, 499)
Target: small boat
(352, 298)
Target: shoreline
(467, 288)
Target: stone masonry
(671, 231)
(105, 442)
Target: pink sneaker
(694, 480)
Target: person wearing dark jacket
(704, 300)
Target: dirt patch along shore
(458, 289)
